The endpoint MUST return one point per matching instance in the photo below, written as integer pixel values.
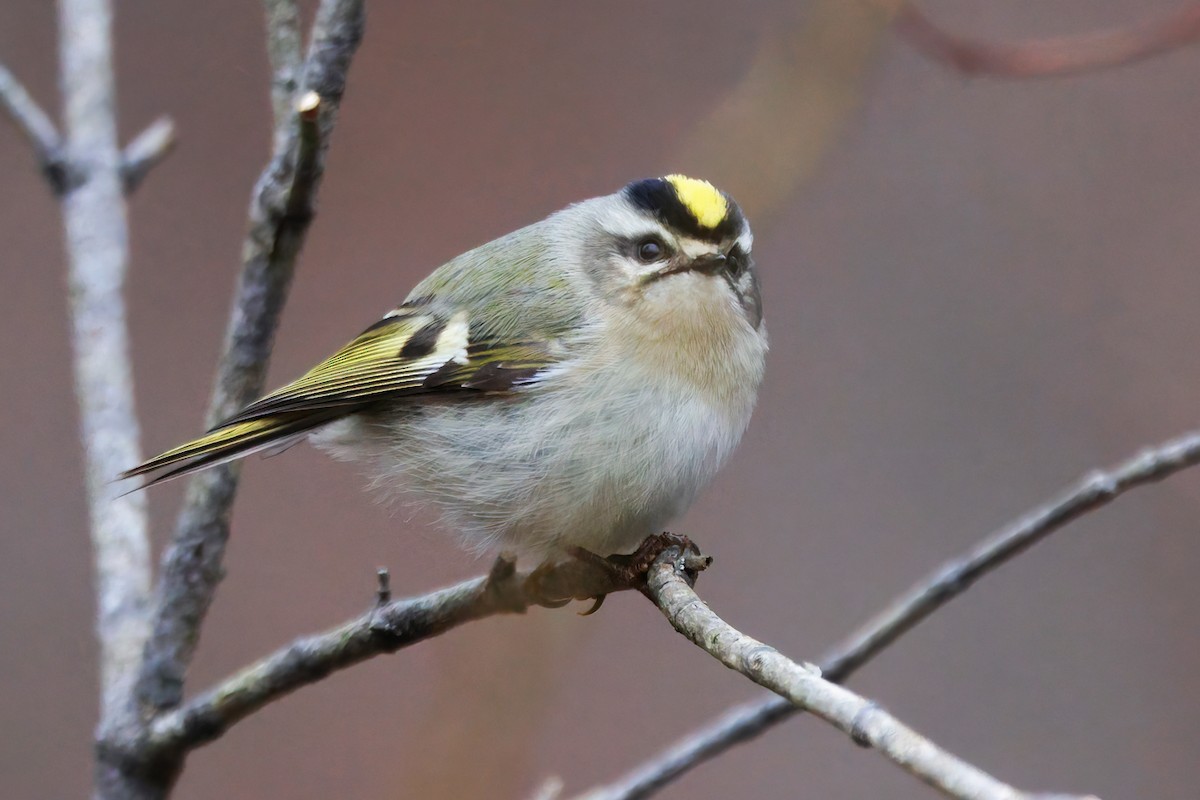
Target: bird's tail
(231, 441)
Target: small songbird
(572, 384)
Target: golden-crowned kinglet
(574, 383)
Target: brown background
(987, 288)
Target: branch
(1052, 57)
(385, 629)
(146, 150)
(29, 118)
(864, 722)
(96, 233)
(93, 207)
(285, 52)
(745, 722)
(140, 156)
(281, 209)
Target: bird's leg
(588, 576)
(629, 569)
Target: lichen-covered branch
(281, 209)
(802, 685)
(285, 51)
(385, 629)
(1051, 57)
(747, 721)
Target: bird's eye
(650, 250)
(735, 261)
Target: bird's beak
(710, 264)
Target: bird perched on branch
(572, 384)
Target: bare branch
(864, 722)
(146, 150)
(280, 212)
(93, 207)
(29, 118)
(1052, 57)
(140, 156)
(94, 215)
(385, 629)
(285, 51)
(747, 721)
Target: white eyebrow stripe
(624, 222)
(634, 229)
(694, 248)
(745, 239)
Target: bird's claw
(628, 570)
(535, 587)
(615, 572)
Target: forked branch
(281, 209)
(141, 155)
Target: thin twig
(866, 723)
(280, 212)
(1051, 57)
(383, 587)
(146, 150)
(307, 113)
(384, 629)
(29, 118)
(747, 721)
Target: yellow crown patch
(701, 199)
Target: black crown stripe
(658, 196)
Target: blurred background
(977, 289)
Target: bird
(572, 384)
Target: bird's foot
(588, 576)
(539, 585)
(628, 570)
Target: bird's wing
(405, 354)
(410, 352)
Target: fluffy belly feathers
(577, 464)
